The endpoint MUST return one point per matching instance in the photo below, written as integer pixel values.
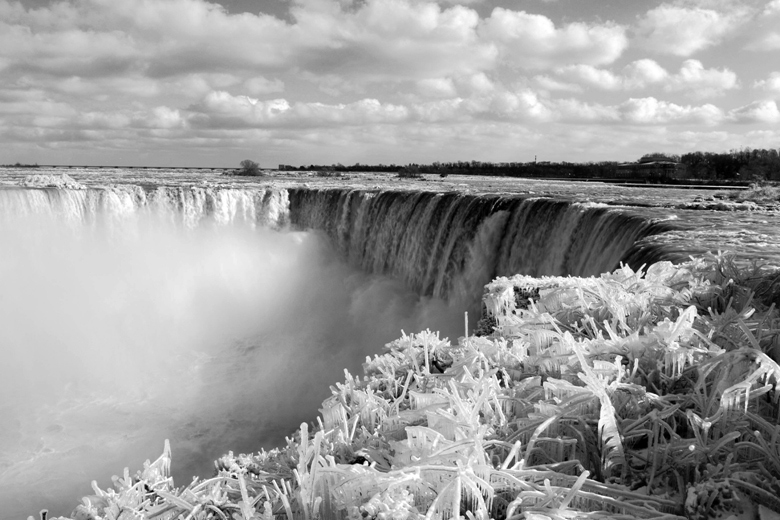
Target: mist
(120, 333)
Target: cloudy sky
(199, 83)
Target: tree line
(748, 164)
(736, 165)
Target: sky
(199, 83)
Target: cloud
(550, 84)
(259, 85)
(771, 8)
(591, 77)
(93, 38)
(757, 112)
(101, 76)
(223, 110)
(390, 40)
(375, 40)
(684, 30)
(33, 103)
(769, 42)
(574, 110)
(771, 84)
(644, 72)
(475, 84)
(700, 82)
(523, 105)
(532, 41)
(650, 110)
(693, 78)
(765, 35)
(463, 2)
(437, 87)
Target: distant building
(651, 167)
(286, 167)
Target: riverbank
(650, 394)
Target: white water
(450, 243)
(122, 325)
(128, 316)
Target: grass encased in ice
(649, 394)
(759, 192)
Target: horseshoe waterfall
(217, 317)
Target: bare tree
(249, 167)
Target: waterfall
(187, 205)
(214, 317)
(439, 244)
(450, 243)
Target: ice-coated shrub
(637, 394)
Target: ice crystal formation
(636, 394)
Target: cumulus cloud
(551, 84)
(437, 87)
(640, 73)
(394, 39)
(34, 104)
(100, 38)
(157, 118)
(650, 110)
(475, 84)
(772, 8)
(771, 84)
(523, 105)
(378, 39)
(591, 77)
(683, 30)
(170, 75)
(701, 82)
(221, 109)
(757, 112)
(259, 85)
(769, 42)
(692, 78)
(533, 41)
(164, 118)
(574, 110)
(765, 34)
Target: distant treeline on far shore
(737, 165)
(20, 165)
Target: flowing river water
(215, 311)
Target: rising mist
(121, 332)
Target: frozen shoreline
(620, 395)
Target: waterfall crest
(439, 244)
(446, 243)
(186, 205)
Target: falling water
(217, 317)
(445, 243)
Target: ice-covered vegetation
(649, 394)
(249, 168)
(760, 193)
